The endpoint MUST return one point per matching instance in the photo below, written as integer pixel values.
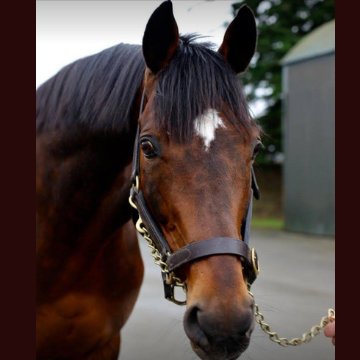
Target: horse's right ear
(161, 37)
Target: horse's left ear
(238, 46)
(161, 37)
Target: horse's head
(197, 143)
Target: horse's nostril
(245, 323)
(216, 334)
(205, 329)
(193, 329)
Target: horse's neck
(82, 186)
(83, 169)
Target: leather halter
(199, 249)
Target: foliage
(269, 223)
(281, 24)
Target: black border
(17, 180)
(347, 177)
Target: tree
(281, 24)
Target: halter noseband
(200, 249)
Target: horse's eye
(148, 148)
(259, 146)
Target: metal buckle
(169, 293)
(134, 188)
(254, 261)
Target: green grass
(267, 223)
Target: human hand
(329, 331)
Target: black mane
(98, 92)
(197, 79)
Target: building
(308, 72)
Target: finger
(329, 329)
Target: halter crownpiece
(170, 261)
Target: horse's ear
(161, 37)
(238, 46)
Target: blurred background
(292, 79)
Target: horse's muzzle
(214, 337)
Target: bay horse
(181, 103)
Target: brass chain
(259, 317)
(305, 338)
(171, 279)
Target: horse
(166, 123)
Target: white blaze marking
(206, 125)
